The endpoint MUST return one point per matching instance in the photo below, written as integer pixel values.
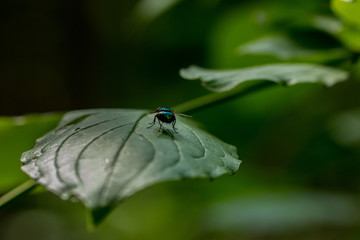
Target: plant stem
(216, 98)
(17, 192)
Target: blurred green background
(299, 178)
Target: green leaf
(347, 10)
(103, 156)
(286, 74)
(350, 37)
(328, 24)
(285, 48)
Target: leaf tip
(94, 217)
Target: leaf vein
(77, 160)
(59, 136)
(58, 175)
(202, 144)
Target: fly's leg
(160, 125)
(152, 123)
(173, 125)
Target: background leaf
(104, 156)
(285, 48)
(287, 74)
(347, 10)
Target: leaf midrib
(113, 164)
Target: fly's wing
(157, 110)
(184, 115)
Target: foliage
(299, 144)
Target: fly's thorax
(163, 109)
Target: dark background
(62, 55)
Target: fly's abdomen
(166, 117)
